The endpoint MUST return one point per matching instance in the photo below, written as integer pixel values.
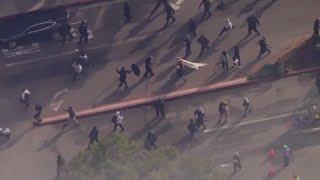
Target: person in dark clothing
(117, 121)
(170, 14)
(164, 2)
(192, 128)
(236, 56)
(204, 42)
(38, 109)
(192, 27)
(83, 31)
(148, 67)
(316, 28)
(60, 165)
(72, 114)
(123, 76)
(187, 43)
(180, 71)
(318, 83)
(207, 6)
(66, 31)
(236, 162)
(264, 47)
(199, 113)
(93, 135)
(159, 106)
(253, 22)
(151, 141)
(127, 11)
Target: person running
(204, 42)
(236, 162)
(151, 141)
(148, 67)
(253, 22)
(180, 70)
(117, 121)
(223, 111)
(170, 14)
(25, 97)
(264, 46)
(227, 27)
(83, 31)
(159, 105)
(72, 114)
(192, 128)
(93, 135)
(225, 61)
(187, 43)
(38, 109)
(207, 6)
(123, 76)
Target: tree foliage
(118, 158)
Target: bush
(118, 158)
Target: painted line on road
(255, 121)
(226, 165)
(72, 52)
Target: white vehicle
(5, 133)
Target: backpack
(203, 40)
(114, 119)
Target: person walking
(192, 27)
(253, 22)
(316, 27)
(77, 68)
(204, 42)
(123, 76)
(83, 59)
(236, 56)
(127, 11)
(225, 61)
(164, 2)
(159, 106)
(264, 46)
(187, 43)
(38, 109)
(236, 162)
(170, 14)
(223, 111)
(148, 67)
(247, 106)
(286, 155)
(93, 135)
(199, 114)
(60, 165)
(192, 128)
(227, 27)
(151, 141)
(25, 97)
(83, 31)
(66, 31)
(180, 71)
(117, 121)
(72, 114)
(207, 6)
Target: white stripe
(100, 4)
(255, 121)
(73, 23)
(179, 2)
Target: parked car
(29, 25)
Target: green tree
(118, 158)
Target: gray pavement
(269, 125)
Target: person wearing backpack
(247, 106)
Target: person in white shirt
(25, 97)
(227, 27)
(117, 120)
(77, 70)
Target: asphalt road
(47, 71)
(276, 105)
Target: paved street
(45, 67)
(276, 104)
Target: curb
(71, 5)
(172, 95)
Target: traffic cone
(271, 171)
(272, 154)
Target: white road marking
(72, 52)
(255, 121)
(226, 165)
(179, 2)
(20, 50)
(73, 23)
(100, 18)
(54, 103)
(60, 93)
(56, 106)
(39, 5)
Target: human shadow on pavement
(173, 83)
(15, 139)
(261, 10)
(248, 7)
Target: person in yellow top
(296, 177)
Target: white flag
(190, 64)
